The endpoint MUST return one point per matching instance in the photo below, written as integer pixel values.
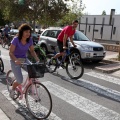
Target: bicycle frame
(24, 86)
(67, 53)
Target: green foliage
(104, 12)
(2, 22)
(75, 11)
(42, 11)
(21, 2)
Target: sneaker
(52, 61)
(63, 66)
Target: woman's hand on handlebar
(18, 62)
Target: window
(46, 33)
(53, 33)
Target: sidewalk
(112, 65)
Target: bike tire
(76, 66)
(1, 65)
(51, 66)
(3, 45)
(31, 96)
(10, 78)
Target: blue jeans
(17, 70)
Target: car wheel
(75, 54)
(44, 48)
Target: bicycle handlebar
(37, 63)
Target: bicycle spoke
(38, 101)
(74, 69)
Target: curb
(111, 66)
(110, 61)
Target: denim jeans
(17, 70)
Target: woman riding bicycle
(18, 50)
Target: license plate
(99, 54)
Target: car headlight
(87, 48)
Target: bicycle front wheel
(1, 65)
(74, 69)
(51, 66)
(10, 78)
(38, 100)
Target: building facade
(102, 27)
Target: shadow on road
(99, 91)
(3, 78)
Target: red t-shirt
(67, 30)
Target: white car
(85, 50)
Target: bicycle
(37, 96)
(73, 64)
(6, 41)
(1, 64)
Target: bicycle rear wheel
(38, 100)
(51, 66)
(10, 78)
(1, 65)
(74, 69)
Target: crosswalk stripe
(97, 111)
(99, 89)
(104, 77)
(21, 104)
(6, 57)
(3, 116)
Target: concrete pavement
(112, 64)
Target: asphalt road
(95, 96)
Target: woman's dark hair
(23, 28)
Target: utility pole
(80, 13)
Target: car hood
(89, 43)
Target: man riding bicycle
(62, 40)
(6, 31)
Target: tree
(75, 11)
(2, 22)
(104, 12)
(43, 11)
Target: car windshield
(79, 36)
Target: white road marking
(3, 116)
(97, 111)
(104, 77)
(6, 57)
(99, 89)
(22, 103)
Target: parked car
(34, 36)
(85, 50)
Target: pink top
(67, 30)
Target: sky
(95, 7)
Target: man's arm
(71, 40)
(64, 40)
